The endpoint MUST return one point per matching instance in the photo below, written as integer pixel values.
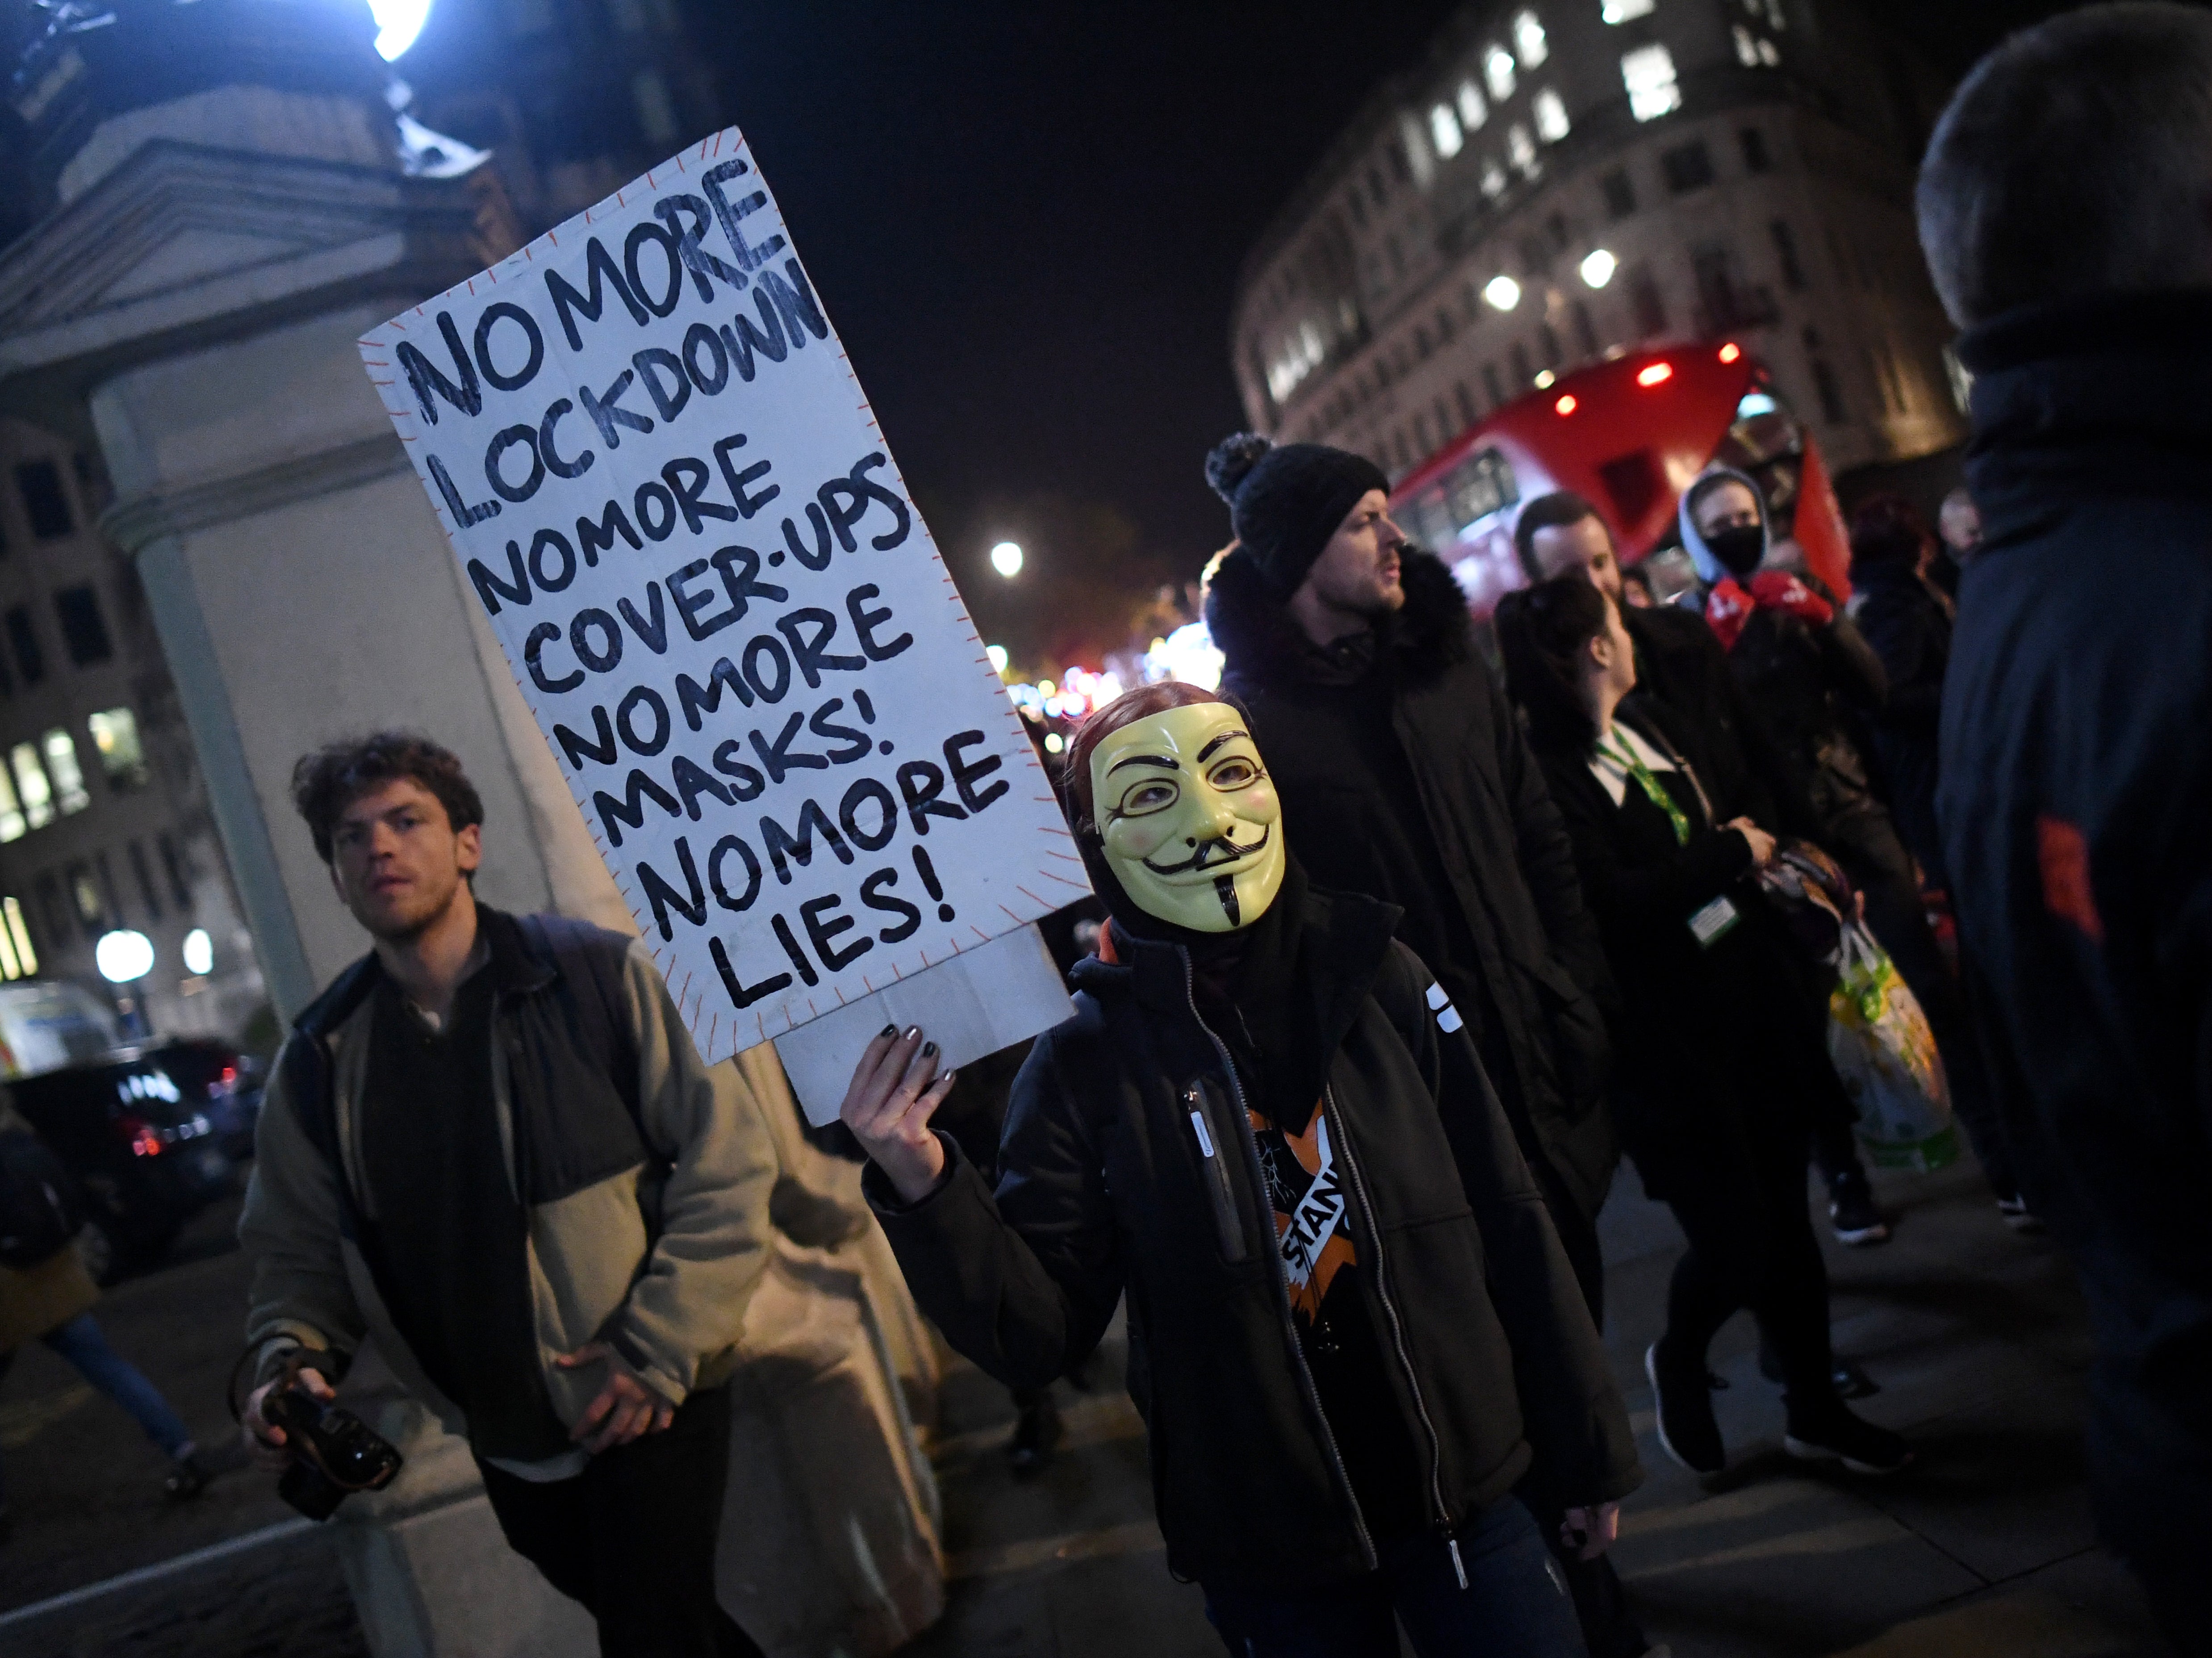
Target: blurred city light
(397, 23)
(199, 951)
(1546, 380)
(1052, 744)
(1566, 404)
(122, 956)
(997, 655)
(1658, 374)
(1598, 269)
(1188, 654)
(1006, 558)
(1502, 292)
(1754, 402)
(1078, 692)
(1730, 352)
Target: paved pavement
(1976, 1336)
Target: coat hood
(1710, 568)
(1263, 644)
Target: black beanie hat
(1284, 503)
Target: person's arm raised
(894, 1093)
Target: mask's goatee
(1224, 888)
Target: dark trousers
(1514, 1605)
(632, 1538)
(1877, 862)
(1740, 1203)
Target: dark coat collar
(517, 969)
(1264, 647)
(1347, 940)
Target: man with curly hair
(491, 1146)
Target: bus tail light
(1730, 352)
(1566, 404)
(1657, 373)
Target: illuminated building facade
(1557, 181)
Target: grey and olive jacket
(647, 1206)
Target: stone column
(198, 305)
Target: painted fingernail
(929, 1050)
(890, 1030)
(912, 1031)
(948, 1077)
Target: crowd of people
(1402, 956)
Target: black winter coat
(1104, 1189)
(1413, 783)
(2076, 810)
(1708, 1033)
(1908, 624)
(1680, 664)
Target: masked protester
(1353, 1333)
(1722, 1053)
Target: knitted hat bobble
(1287, 502)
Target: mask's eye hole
(1155, 795)
(1236, 772)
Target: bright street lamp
(122, 956)
(1006, 559)
(199, 951)
(1502, 292)
(1598, 269)
(397, 23)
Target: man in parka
(491, 1146)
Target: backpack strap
(589, 960)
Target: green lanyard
(1626, 757)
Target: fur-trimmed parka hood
(1263, 645)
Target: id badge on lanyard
(1708, 924)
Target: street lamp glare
(397, 23)
(1502, 292)
(1598, 269)
(199, 951)
(1006, 559)
(124, 956)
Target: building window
(1421, 347)
(84, 898)
(1626, 11)
(1620, 193)
(656, 109)
(173, 865)
(1465, 404)
(1522, 374)
(39, 484)
(1687, 167)
(1522, 149)
(1648, 72)
(1785, 253)
(32, 789)
(1832, 393)
(1648, 303)
(1551, 110)
(1493, 178)
(1423, 440)
(1585, 330)
(53, 911)
(30, 661)
(1473, 112)
(12, 826)
(1498, 69)
(84, 630)
(1755, 156)
(1445, 132)
(145, 874)
(17, 959)
(1492, 385)
(67, 775)
(1528, 39)
(1377, 191)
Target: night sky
(1027, 223)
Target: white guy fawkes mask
(1188, 817)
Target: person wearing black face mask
(1814, 677)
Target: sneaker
(2018, 1216)
(1850, 1381)
(1851, 1210)
(188, 1477)
(1036, 1431)
(1852, 1441)
(1684, 1405)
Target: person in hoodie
(1726, 1041)
(2065, 207)
(1353, 1334)
(1814, 681)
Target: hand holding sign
(667, 493)
(889, 1106)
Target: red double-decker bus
(1629, 435)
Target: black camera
(334, 1453)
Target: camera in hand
(334, 1453)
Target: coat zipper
(1251, 1142)
(1235, 1246)
(1397, 1330)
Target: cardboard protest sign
(666, 488)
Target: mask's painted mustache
(1211, 852)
